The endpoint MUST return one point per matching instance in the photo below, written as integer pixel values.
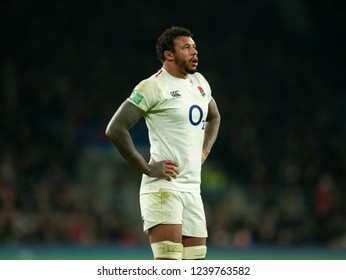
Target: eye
(188, 47)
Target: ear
(168, 55)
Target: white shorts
(174, 207)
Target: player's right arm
(117, 132)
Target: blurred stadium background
(274, 185)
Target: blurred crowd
(276, 175)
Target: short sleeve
(144, 95)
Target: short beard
(182, 65)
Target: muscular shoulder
(146, 93)
(199, 78)
(147, 86)
(151, 84)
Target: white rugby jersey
(175, 114)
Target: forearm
(138, 161)
(211, 128)
(124, 144)
(166, 169)
(210, 135)
(117, 132)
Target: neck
(172, 70)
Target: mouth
(194, 61)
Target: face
(185, 55)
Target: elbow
(216, 119)
(109, 132)
(114, 132)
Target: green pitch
(112, 252)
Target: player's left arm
(211, 128)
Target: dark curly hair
(166, 40)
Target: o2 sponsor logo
(196, 115)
